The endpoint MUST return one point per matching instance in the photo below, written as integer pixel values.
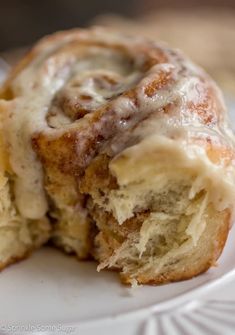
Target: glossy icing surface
(106, 93)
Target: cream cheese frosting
(91, 71)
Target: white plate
(52, 288)
(51, 293)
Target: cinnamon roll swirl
(116, 148)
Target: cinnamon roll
(116, 148)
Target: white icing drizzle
(36, 87)
(58, 72)
(26, 116)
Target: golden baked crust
(124, 145)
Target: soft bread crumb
(18, 236)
